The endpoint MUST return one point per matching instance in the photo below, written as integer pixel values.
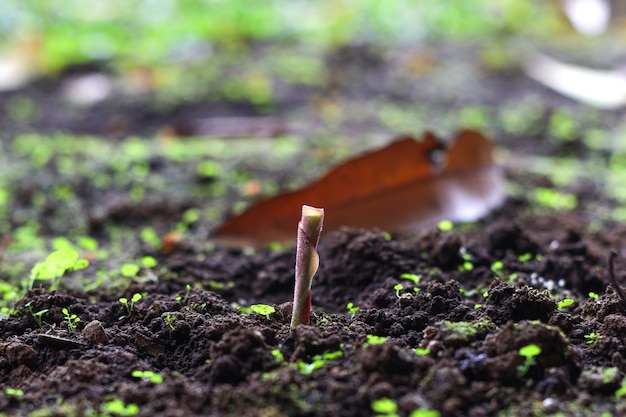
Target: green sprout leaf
(263, 309)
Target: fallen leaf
(399, 188)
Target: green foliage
(529, 352)
(72, 319)
(554, 199)
(592, 337)
(565, 303)
(352, 309)
(56, 265)
(318, 361)
(148, 376)
(375, 340)
(14, 392)
(129, 270)
(278, 355)
(263, 309)
(422, 351)
(129, 305)
(119, 408)
(169, 320)
(37, 316)
(445, 225)
(414, 278)
(385, 407)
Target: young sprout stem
(610, 265)
(307, 261)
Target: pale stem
(307, 261)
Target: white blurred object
(604, 89)
(589, 17)
(87, 89)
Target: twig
(610, 264)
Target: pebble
(94, 333)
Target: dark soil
(485, 289)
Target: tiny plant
(169, 320)
(565, 303)
(278, 355)
(352, 309)
(422, 351)
(148, 376)
(414, 278)
(37, 316)
(71, 318)
(529, 352)
(592, 337)
(186, 297)
(398, 288)
(307, 262)
(14, 392)
(621, 391)
(55, 266)
(318, 361)
(129, 305)
(593, 295)
(375, 340)
(263, 309)
(385, 407)
(118, 407)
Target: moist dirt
(436, 321)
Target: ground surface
(447, 340)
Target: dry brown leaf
(397, 188)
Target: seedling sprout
(263, 309)
(37, 316)
(72, 319)
(307, 262)
(129, 305)
(529, 352)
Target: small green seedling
(445, 225)
(307, 262)
(186, 297)
(169, 320)
(375, 340)
(263, 309)
(278, 355)
(129, 305)
(129, 270)
(318, 361)
(14, 392)
(72, 319)
(55, 266)
(529, 352)
(565, 303)
(119, 408)
(385, 407)
(414, 278)
(593, 295)
(621, 391)
(37, 316)
(352, 309)
(422, 351)
(592, 337)
(398, 288)
(148, 376)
